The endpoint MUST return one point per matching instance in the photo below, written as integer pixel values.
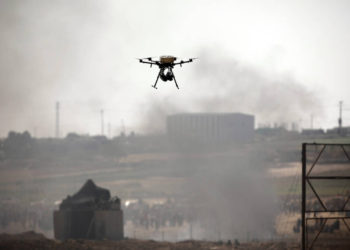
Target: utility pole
(340, 116)
(57, 119)
(122, 127)
(109, 130)
(102, 123)
(191, 231)
(312, 121)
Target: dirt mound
(27, 240)
(31, 240)
(30, 235)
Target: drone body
(166, 65)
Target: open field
(246, 192)
(31, 240)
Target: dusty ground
(32, 240)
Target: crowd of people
(20, 217)
(167, 214)
(331, 203)
(39, 216)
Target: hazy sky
(282, 61)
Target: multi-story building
(211, 127)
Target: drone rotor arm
(148, 59)
(151, 63)
(177, 86)
(183, 62)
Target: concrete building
(343, 131)
(91, 213)
(312, 132)
(211, 127)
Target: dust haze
(82, 53)
(220, 83)
(62, 51)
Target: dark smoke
(56, 51)
(231, 195)
(235, 87)
(220, 83)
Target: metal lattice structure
(309, 178)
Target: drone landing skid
(160, 72)
(177, 86)
(155, 84)
(165, 64)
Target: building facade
(211, 127)
(91, 213)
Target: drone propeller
(147, 58)
(186, 61)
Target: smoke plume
(220, 83)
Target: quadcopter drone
(166, 65)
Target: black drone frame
(162, 66)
